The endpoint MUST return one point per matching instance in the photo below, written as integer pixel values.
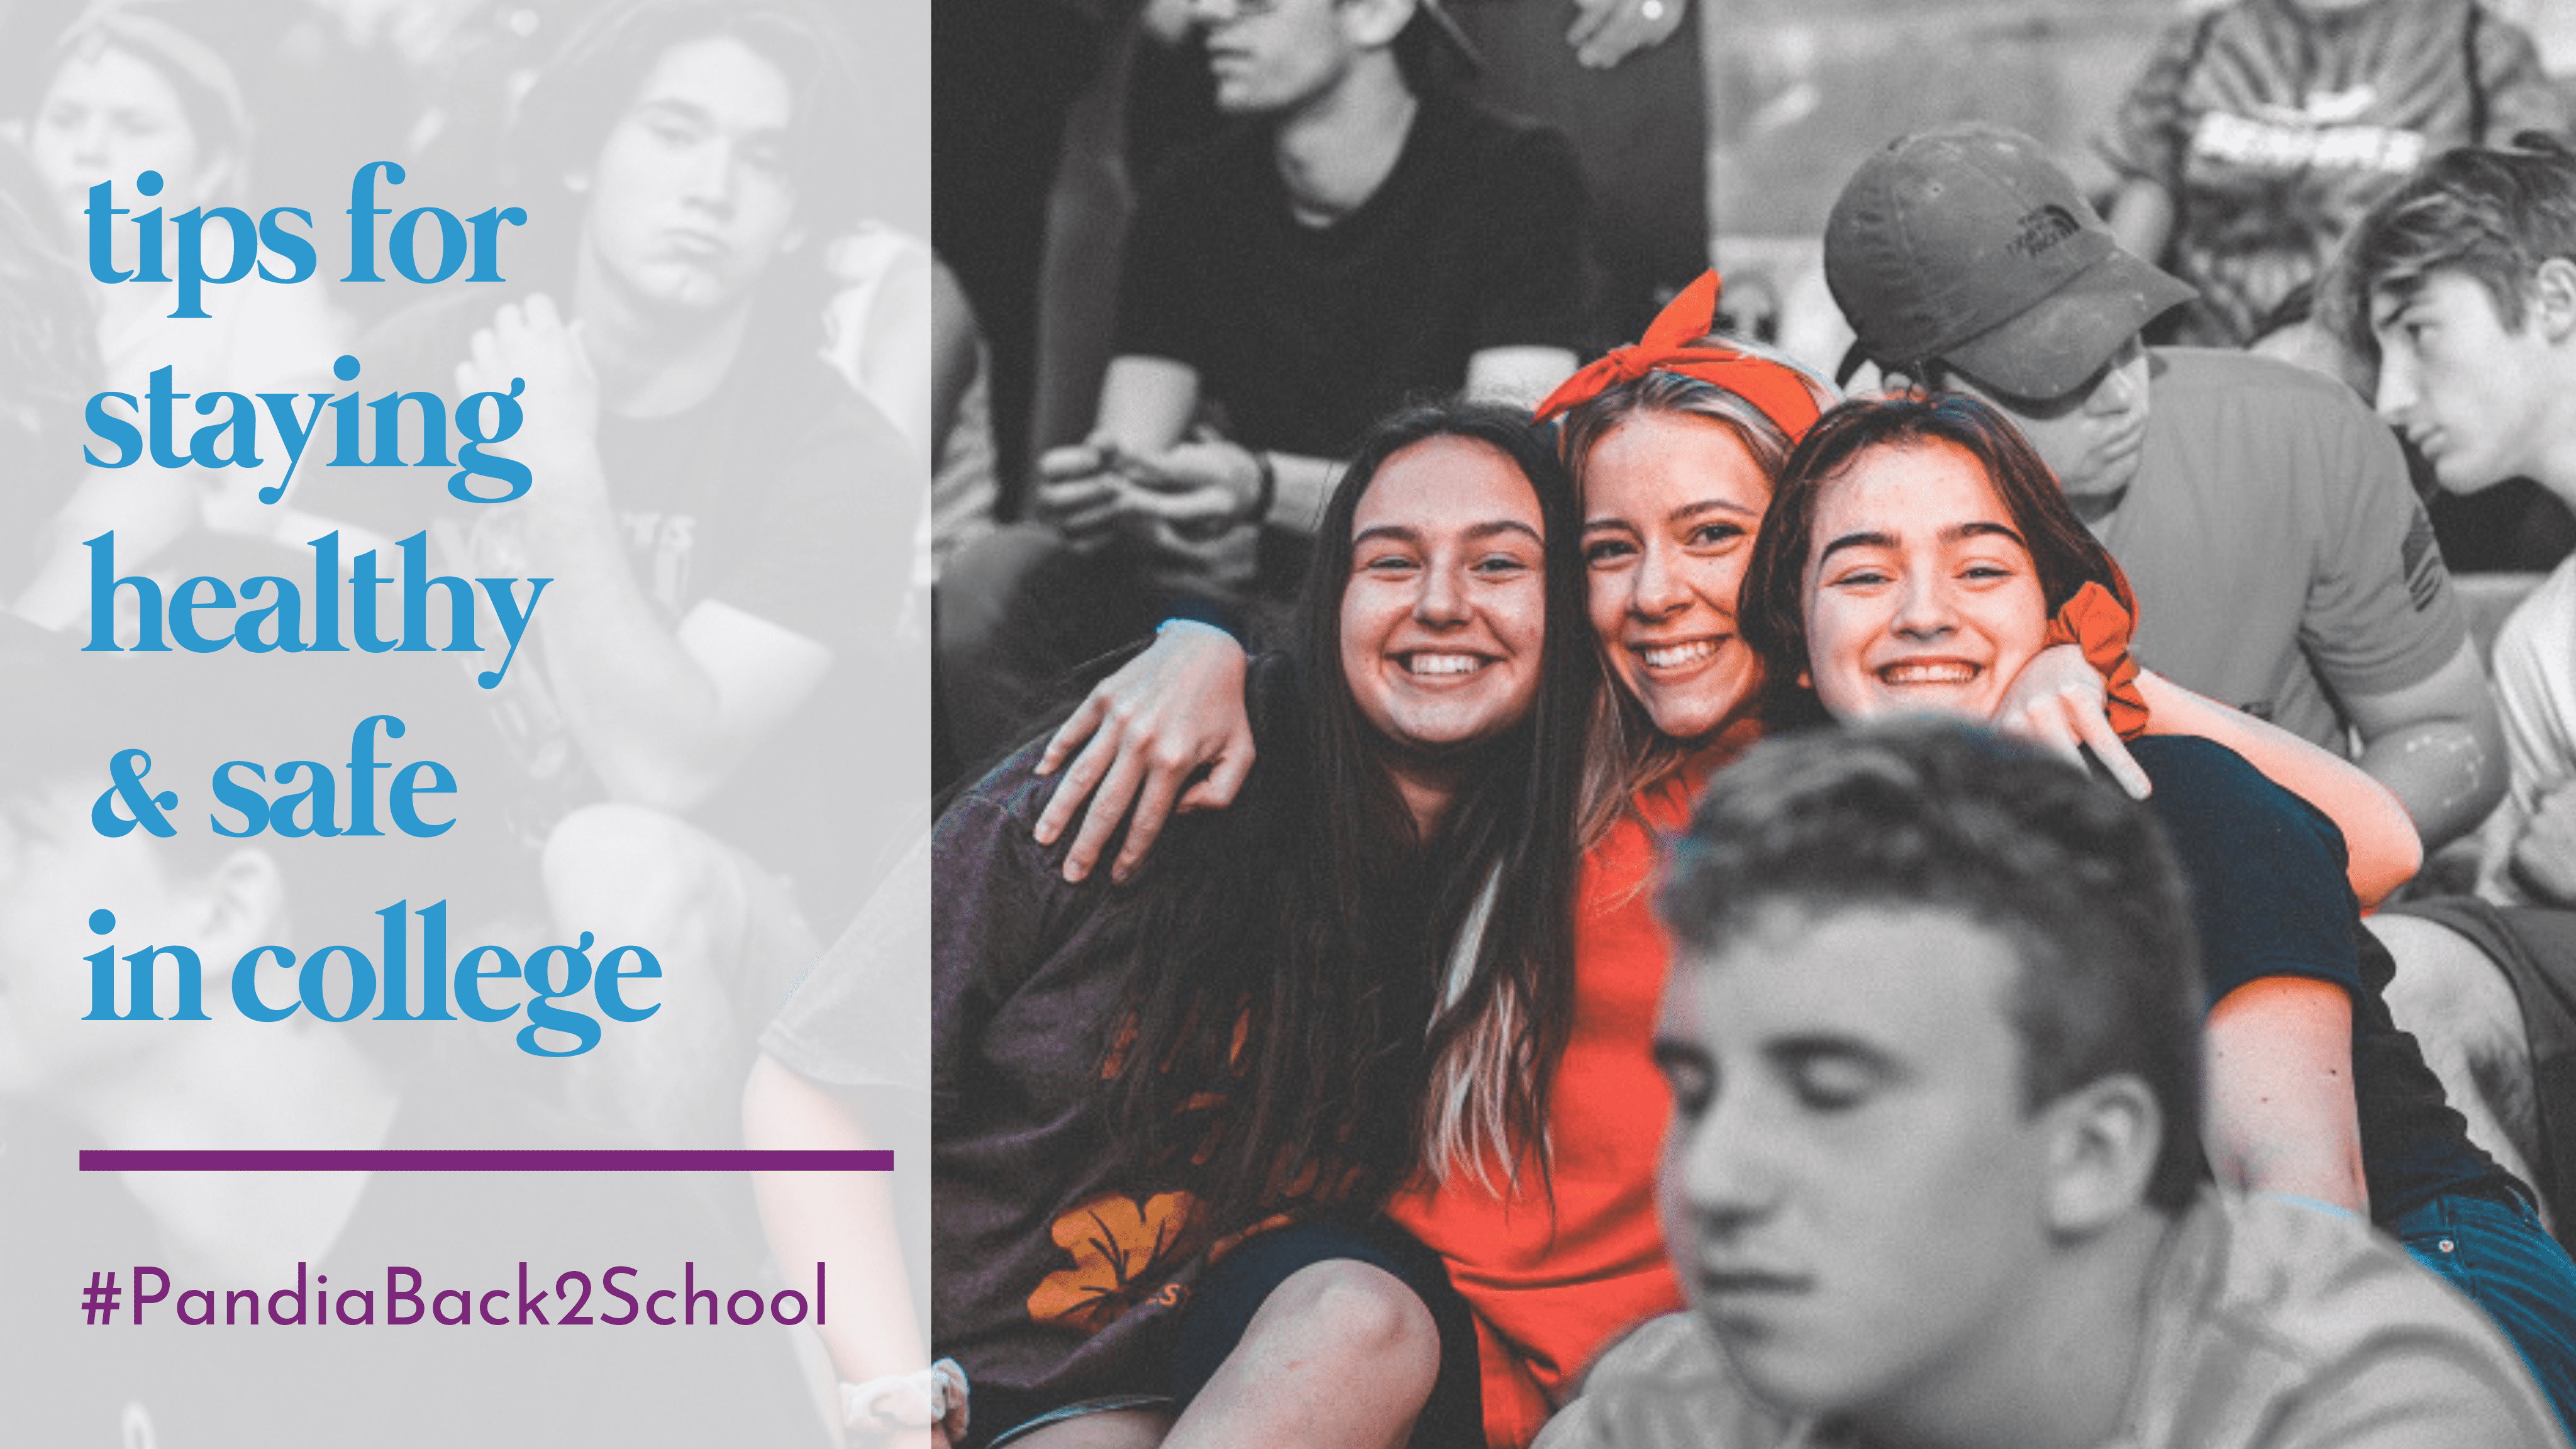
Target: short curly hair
(1928, 813)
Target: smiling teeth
(1442, 663)
(1928, 673)
(1673, 655)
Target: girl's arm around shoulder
(2381, 847)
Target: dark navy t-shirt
(2268, 893)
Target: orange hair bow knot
(1674, 343)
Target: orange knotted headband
(1673, 343)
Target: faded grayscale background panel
(757, 534)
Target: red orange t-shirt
(1555, 1278)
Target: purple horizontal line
(473, 1160)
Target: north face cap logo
(2043, 229)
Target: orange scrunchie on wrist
(2099, 623)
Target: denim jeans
(2497, 1253)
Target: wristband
(1265, 491)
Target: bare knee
(1360, 1314)
(1341, 1355)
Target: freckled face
(1444, 617)
(1671, 504)
(1919, 592)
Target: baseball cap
(1965, 244)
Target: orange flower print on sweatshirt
(1115, 1242)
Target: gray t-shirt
(2270, 1325)
(2279, 557)
(2274, 124)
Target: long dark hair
(1293, 951)
(1772, 612)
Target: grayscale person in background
(722, 720)
(728, 523)
(2281, 562)
(1931, 1036)
(2462, 282)
(1356, 242)
(135, 88)
(2258, 132)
